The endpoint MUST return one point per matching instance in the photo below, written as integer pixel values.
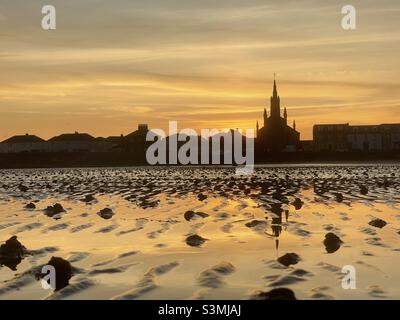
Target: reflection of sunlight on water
(250, 222)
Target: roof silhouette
(73, 137)
(26, 138)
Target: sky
(111, 65)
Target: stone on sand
(106, 213)
(201, 197)
(30, 205)
(22, 188)
(189, 215)
(297, 203)
(88, 198)
(289, 259)
(332, 242)
(339, 197)
(363, 190)
(276, 294)
(12, 252)
(195, 240)
(377, 223)
(63, 271)
(254, 223)
(51, 211)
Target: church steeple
(277, 134)
(265, 116)
(285, 115)
(275, 92)
(257, 128)
(275, 102)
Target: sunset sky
(205, 63)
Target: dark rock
(51, 211)
(12, 247)
(30, 206)
(377, 223)
(195, 240)
(88, 198)
(12, 253)
(332, 242)
(276, 294)
(58, 208)
(22, 188)
(201, 197)
(289, 258)
(297, 203)
(106, 213)
(339, 197)
(363, 190)
(189, 215)
(253, 223)
(63, 271)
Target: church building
(276, 135)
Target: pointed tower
(257, 128)
(285, 115)
(294, 125)
(275, 103)
(265, 117)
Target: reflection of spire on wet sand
(276, 225)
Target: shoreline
(132, 159)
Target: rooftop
(73, 137)
(26, 138)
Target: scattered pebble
(275, 294)
(195, 240)
(12, 253)
(189, 215)
(22, 188)
(332, 242)
(289, 259)
(106, 213)
(378, 223)
(254, 223)
(63, 271)
(201, 197)
(297, 203)
(88, 198)
(51, 211)
(30, 206)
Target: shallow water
(149, 248)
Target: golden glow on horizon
(205, 65)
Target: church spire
(294, 124)
(275, 102)
(257, 128)
(275, 92)
(285, 115)
(265, 116)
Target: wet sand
(204, 233)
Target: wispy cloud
(110, 65)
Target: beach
(204, 233)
